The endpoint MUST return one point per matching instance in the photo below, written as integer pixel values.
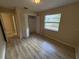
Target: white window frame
(53, 29)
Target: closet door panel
(8, 24)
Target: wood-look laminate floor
(36, 47)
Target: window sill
(51, 30)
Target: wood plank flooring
(36, 47)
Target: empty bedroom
(39, 29)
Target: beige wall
(69, 26)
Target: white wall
(26, 29)
(22, 17)
(29, 12)
(18, 18)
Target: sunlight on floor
(48, 47)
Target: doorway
(2, 42)
(32, 24)
(2, 30)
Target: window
(51, 22)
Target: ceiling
(45, 4)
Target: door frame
(2, 28)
